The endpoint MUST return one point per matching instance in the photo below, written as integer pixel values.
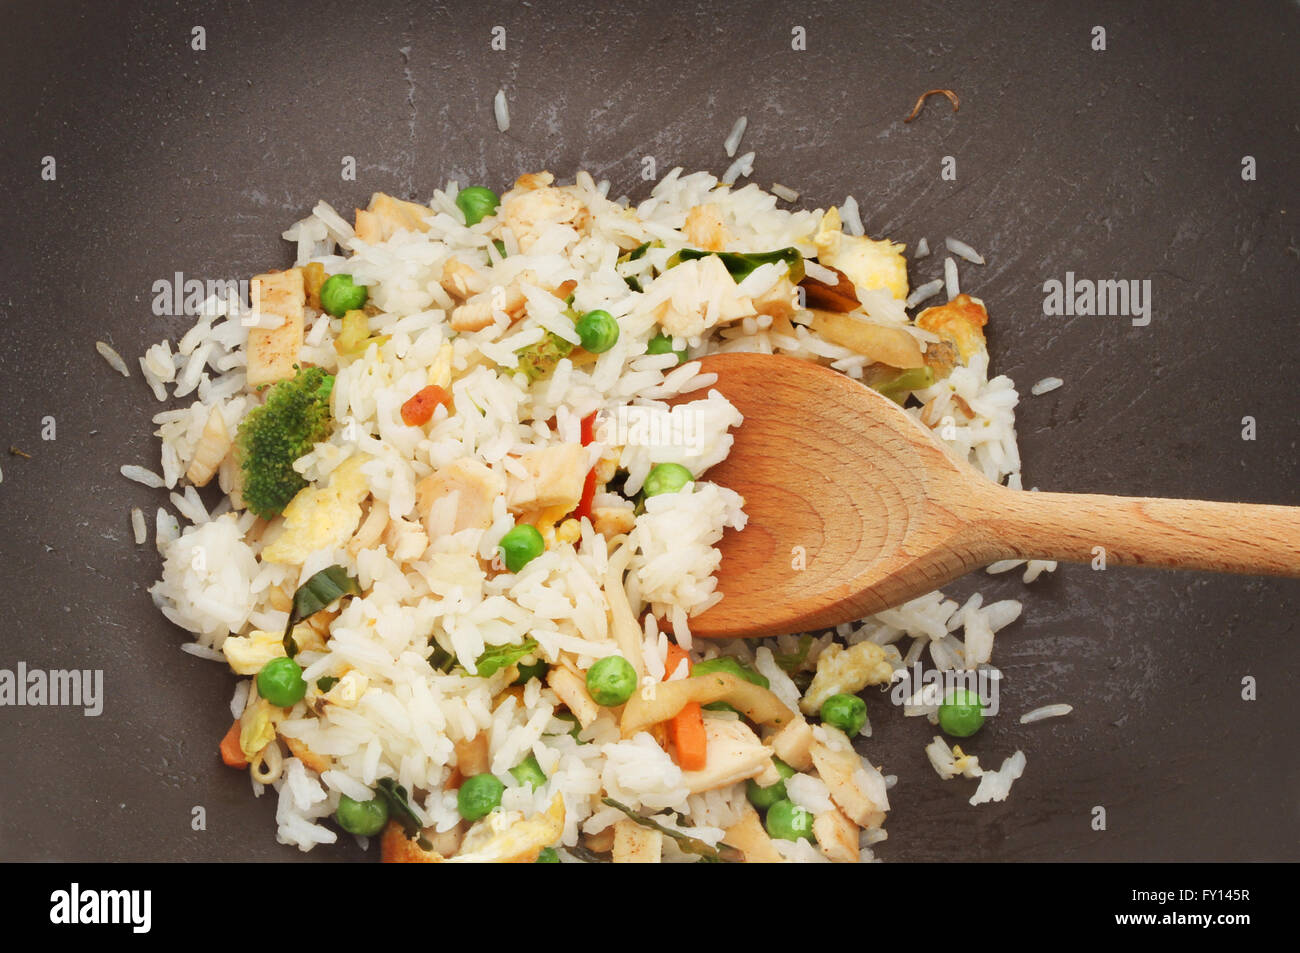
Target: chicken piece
(961, 321)
(634, 844)
(749, 837)
(839, 770)
(704, 296)
(769, 775)
(837, 837)
(534, 206)
(447, 842)
(555, 478)
(321, 518)
(309, 758)
(279, 299)
(405, 539)
(842, 671)
(611, 521)
(704, 228)
(512, 839)
(246, 654)
(779, 301)
(460, 280)
(734, 754)
(371, 530)
(457, 497)
(868, 264)
(601, 842)
(571, 688)
(477, 313)
(882, 344)
(472, 755)
(387, 216)
(213, 446)
(793, 744)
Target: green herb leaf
(399, 808)
(315, 594)
(740, 265)
(441, 660)
(498, 657)
(791, 662)
(722, 854)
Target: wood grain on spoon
(854, 507)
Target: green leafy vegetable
(722, 854)
(791, 662)
(326, 682)
(399, 809)
(295, 417)
(904, 382)
(441, 660)
(315, 594)
(740, 265)
(497, 657)
(538, 360)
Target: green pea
(848, 713)
(786, 822)
(339, 295)
(529, 772)
(662, 344)
(366, 818)
(598, 331)
(548, 855)
(521, 546)
(611, 681)
(962, 713)
(764, 797)
(477, 203)
(479, 796)
(666, 478)
(281, 683)
(725, 663)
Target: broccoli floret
(271, 437)
(538, 360)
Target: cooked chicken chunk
(460, 280)
(704, 228)
(555, 478)
(734, 754)
(458, 496)
(839, 770)
(477, 313)
(571, 688)
(793, 744)
(279, 301)
(634, 844)
(387, 216)
(748, 836)
(837, 837)
(534, 206)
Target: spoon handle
(1141, 531)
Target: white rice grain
(142, 475)
(962, 250)
(1045, 712)
(922, 249)
(784, 193)
(1046, 385)
(851, 217)
(741, 168)
(732, 142)
(114, 359)
(501, 111)
(138, 527)
(924, 293)
(950, 278)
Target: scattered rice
(114, 359)
(784, 193)
(964, 251)
(743, 167)
(732, 142)
(996, 785)
(924, 293)
(950, 278)
(1047, 711)
(142, 475)
(501, 111)
(138, 527)
(851, 217)
(1046, 385)
(922, 249)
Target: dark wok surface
(1117, 164)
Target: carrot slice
(231, 754)
(418, 411)
(675, 655)
(686, 730)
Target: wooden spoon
(855, 507)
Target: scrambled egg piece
(248, 653)
(256, 730)
(960, 321)
(509, 839)
(846, 671)
(868, 264)
(321, 518)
